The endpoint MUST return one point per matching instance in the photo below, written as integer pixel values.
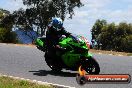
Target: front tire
(91, 66)
(81, 80)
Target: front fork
(84, 59)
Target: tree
(96, 30)
(40, 12)
(24, 21)
(6, 24)
(3, 13)
(7, 36)
(113, 37)
(123, 33)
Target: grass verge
(130, 54)
(7, 82)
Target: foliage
(38, 15)
(113, 37)
(7, 36)
(96, 30)
(3, 13)
(40, 12)
(6, 23)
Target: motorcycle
(73, 55)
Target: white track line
(39, 82)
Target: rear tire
(53, 63)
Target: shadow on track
(49, 72)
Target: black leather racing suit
(52, 37)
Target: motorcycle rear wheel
(53, 63)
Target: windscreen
(76, 38)
(80, 39)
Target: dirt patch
(91, 50)
(28, 45)
(110, 52)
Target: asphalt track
(28, 62)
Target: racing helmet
(57, 23)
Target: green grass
(130, 54)
(6, 82)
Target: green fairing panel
(39, 42)
(70, 59)
(89, 55)
(64, 42)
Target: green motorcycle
(74, 54)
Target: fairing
(73, 55)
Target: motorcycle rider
(54, 32)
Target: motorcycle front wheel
(91, 66)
